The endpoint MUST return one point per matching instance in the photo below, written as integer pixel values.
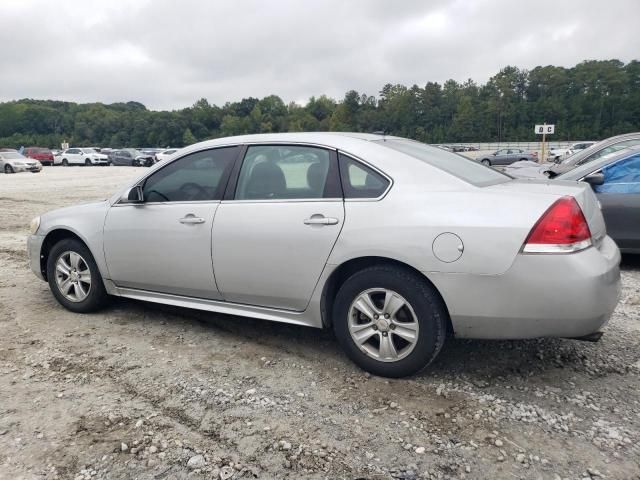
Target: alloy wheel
(73, 276)
(383, 324)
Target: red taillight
(562, 228)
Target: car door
(619, 198)
(501, 156)
(124, 157)
(277, 225)
(164, 243)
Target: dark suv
(43, 155)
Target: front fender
(84, 221)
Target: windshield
(12, 156)
(135, 153)
(88, 150)
(457, 165)
(588, 168)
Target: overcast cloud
(167, 53)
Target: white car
(80, 156)
(559, 153)
(165, 154)
(13, 162)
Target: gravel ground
(152, 392)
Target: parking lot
(154, 392)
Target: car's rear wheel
(74, 277)
(87, 162)
(65, 162)
(389, 321)
(8, 169)
(523, 159)
(486, 162)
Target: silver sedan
(391, 243)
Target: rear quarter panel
(403, 226)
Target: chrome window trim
(180, 202)
(287, 200)
(372, 167)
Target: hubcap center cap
(383, 324)
(74, 276)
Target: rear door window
(287, 172)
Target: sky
(167, 54)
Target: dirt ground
(152, 392)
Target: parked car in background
(326, 215)
(43, 155)
(506, 156)
(81, 156)
(14, 162)
(165, 154)
(594, 152)
(151, 151)
(615, 178)
(555, 154)
(106, 151)
(131, 157)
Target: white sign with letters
(545, 129)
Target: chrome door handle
(191, 220)
(320, 220)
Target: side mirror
(133, 195)
(594, 179)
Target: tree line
(592, 100)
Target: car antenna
(381, 132)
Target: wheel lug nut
(386, 315)
(384, 334)
(392, 326)
(376, 317)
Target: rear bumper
(34, 247)
(567, 295)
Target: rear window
(457, 165)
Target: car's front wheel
(486, 162)
(74, 277)
(389, 321)
(65, 162)
(8, 168)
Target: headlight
(34, 225)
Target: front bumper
(100, 161)
(565, 295)
(26, 168)
(34, 247)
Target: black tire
(429, 309)
(87, 162)
(8, 169)
(486, 162)
(133, 163)
(97, 296)
(525, 159)
(65, 162)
